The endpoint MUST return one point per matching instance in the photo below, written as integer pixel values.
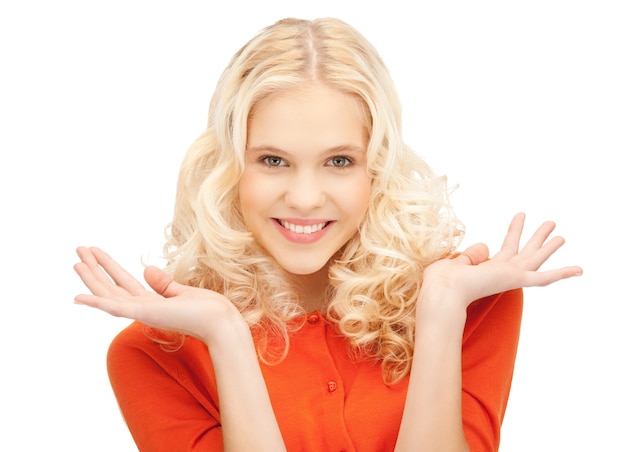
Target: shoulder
(140, 337)
(131, 341)
(489, 350)
(494, 323)
(497, 312)
(168, 398)
(141, 350)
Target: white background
(522, 104)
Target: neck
(312, 290)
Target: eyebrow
(341, 148)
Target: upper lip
(308, 226)
(303, 221)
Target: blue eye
(273, 161)
(339, 161)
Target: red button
(332, 386)
(313, 318)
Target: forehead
(313, 112)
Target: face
(305, 188)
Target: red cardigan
(323, 401)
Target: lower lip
(303, 239)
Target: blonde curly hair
(376, 277)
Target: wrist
(441, 307)
(230, 332)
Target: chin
(304, 268)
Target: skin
(306, 149)
(306, 185)
(432, 418)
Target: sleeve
(167, 400)
(489, 350)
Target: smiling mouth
(303, 229)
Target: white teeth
(300, 229)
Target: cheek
(365, 198)
(249, 194)
(359, 194)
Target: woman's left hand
(472, 275)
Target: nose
(305, 192)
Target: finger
(510, 244)
(148, 308)
(161, 282)
(475, 254)
(89, 278)
(130, 309)
(120, 276)
(538, 257)
(539, 237)
(541, 279)
(87, 257)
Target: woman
(313, 298)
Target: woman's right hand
(247, 419)
(172, 306)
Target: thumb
(477, 253)
(161, 282)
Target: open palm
(172, 306)
(473, 275)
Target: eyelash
(266, 158)
(348, 161)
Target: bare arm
(248, 421)
(432, 418)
